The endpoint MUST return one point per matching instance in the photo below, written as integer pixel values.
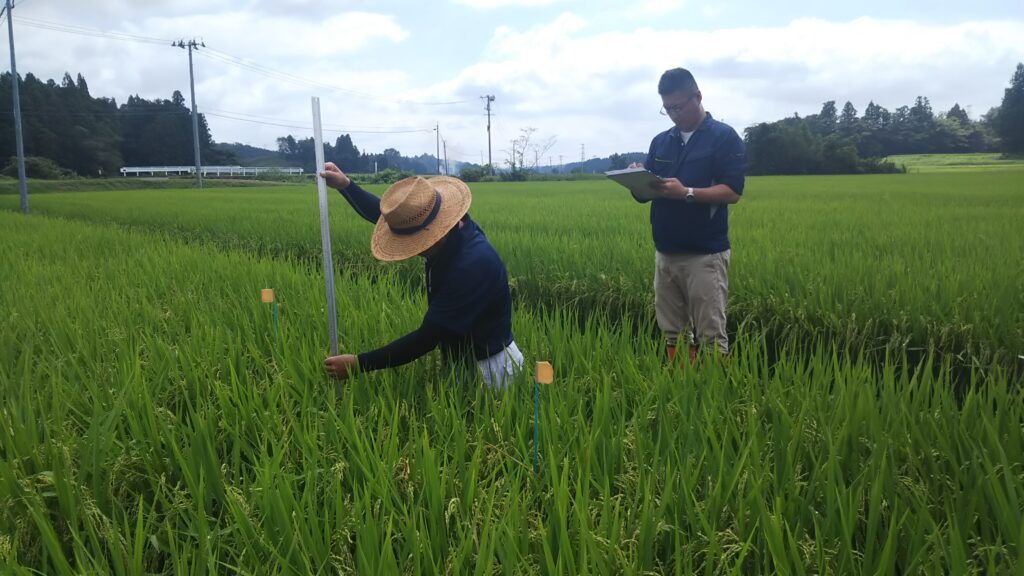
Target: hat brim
(455, 200)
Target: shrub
(386, 176)
(37, 167)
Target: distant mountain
(598, 165)
(251, 155)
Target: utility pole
(445, 144)
(193, 45)
(582, 155)
(489, 99)
(437, 129)
(18, 141)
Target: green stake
(267, 297)
(542, 375)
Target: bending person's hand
(341, 367)
(335, 177)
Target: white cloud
(586, 77)
(258, 38)
(661, 6)
(601, 87)
(491, 4)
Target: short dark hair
(675, 80)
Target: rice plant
(153, 421)
(885, 264)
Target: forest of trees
(841, 142)
(344, 153)
(96, 137)
(93, 136)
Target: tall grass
(153, 423)
(882, 263)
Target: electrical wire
(368, 129)
(229, 115)
(296, 126)
(81, 31)
(224, 57)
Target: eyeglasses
(676, 109)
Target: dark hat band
(407, 230)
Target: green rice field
(977, 162)
(155, 420)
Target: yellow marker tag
(545, 373)
(267, 295)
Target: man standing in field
(702, 163)
(469, 307)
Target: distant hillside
(596, 165)
(251, 155)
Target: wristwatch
(689, 195)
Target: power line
(229, 115)
(246, 117)
(302, 81)
(81, 31)
(297, 126)
(102, 113)
(226, 58)
(3, 11)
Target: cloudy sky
(580, 72)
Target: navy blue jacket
(469, 306)
(715, 154)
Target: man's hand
(636, 165)
(343, 366)
(672, 188)
(335, 177)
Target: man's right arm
(365, 204)
(403, 350)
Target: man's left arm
(717, 194)
(729, 167)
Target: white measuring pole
(325, 234)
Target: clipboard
(638, 180)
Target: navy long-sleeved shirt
(714, 154)
(469, 311)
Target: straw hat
(417, 212)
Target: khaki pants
(690, 291)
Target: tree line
(93, 136)
(67, 131)
(344, 153)
(843, 142)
